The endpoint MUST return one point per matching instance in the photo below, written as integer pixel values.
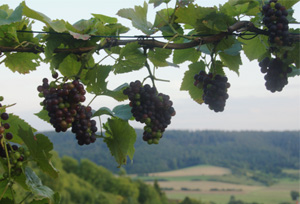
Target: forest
(267, 152)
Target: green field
(219, 188)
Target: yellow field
(195, 171)
(179, 185)
(206, 186)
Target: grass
(229, 178)
(291, 171)
(268, 195)
(252, 191)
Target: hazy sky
(249, 107)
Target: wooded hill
(268, 152)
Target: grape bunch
(214, 89)
(276, 73)
(63, 103)
(83, 126)
(275, 19)
(17, 157)
(4, 126)
(150, 107)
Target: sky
(249, 107)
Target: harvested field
(206, 187)
(194, 171)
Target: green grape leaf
(288, 3)
(295, 72)
(7, 201)
(191, 14)
(70, 65)
(123, 112)
(17, 123)
(131, 58)
(236, 8)
(232, 62)
(183, 55)
(22, 62)
(5, 188)
(103, 111)
(53, 42)
(158, 2)
(225, 44)
(15, 16)
(37, 188)
(117, 93)
(105, 19)
(21, 180)
(293, 55)
(57, 59)
(58, 26)
(158, 56)
(162, 17)
(120, 111)
(120, 139)
(43, 114)
(218, 21)
(39, 146)
(138, 17)
(188, 81)
(95, 79)
(43, 201)
(256, 47)
(234, 49)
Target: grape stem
(150, 73)
(27, 196)
(92, 100)
(6, 187)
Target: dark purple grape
(4, 116)
(150, 107)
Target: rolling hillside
(268, 152)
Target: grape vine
(188, 33)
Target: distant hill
(254, 150)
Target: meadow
(212, 183)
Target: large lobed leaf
(158, 2)
(120, 111)
(138, 17)
(58, 26)
(188, 81)
(15, 16)
(43, 114)
(16, 123)
(95, 79)
(183, 55)
(39, 190)
(120, 139)
(130, 59)
(233, 62)
(158, 56)
(255, 48)
(39, 146)
(22, 62)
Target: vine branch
(239, 26)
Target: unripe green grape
(14, 161)
(19, 164)
(27, 153)
(155, 141)
(17, 155)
